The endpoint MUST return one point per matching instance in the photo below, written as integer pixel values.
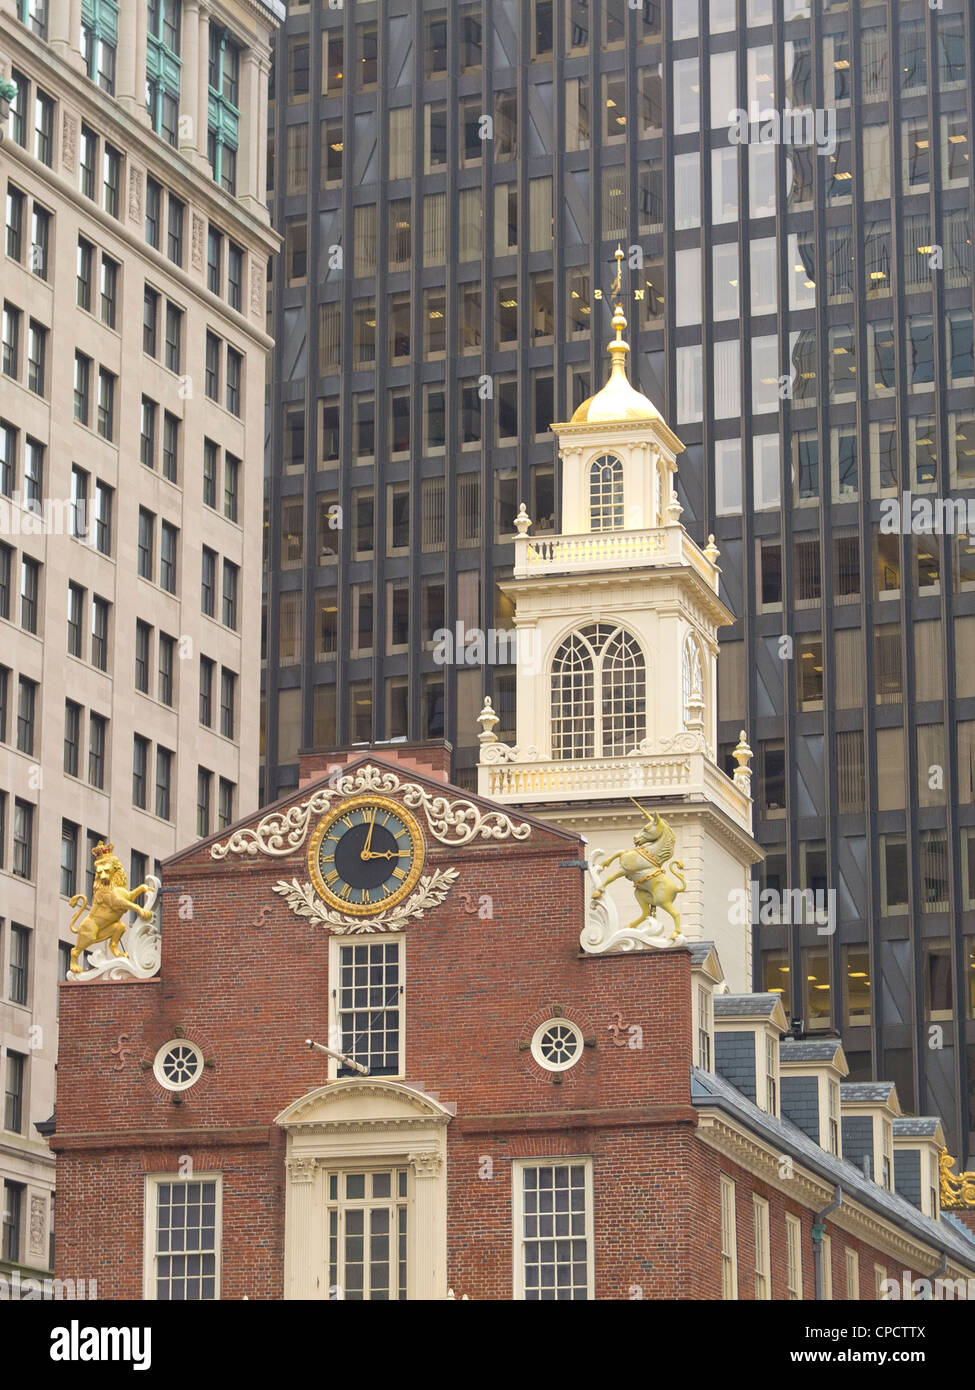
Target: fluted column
(303, 1253)
(427, 1243)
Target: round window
(557, 1044)
(178, 1064)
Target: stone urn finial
(522, 520)
(712, 551)
(743, 756)
(487, 720)
(674, 508)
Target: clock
(365, 855)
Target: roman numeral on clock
(331, 877)
(345, 892)
(399, 873)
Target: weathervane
(616, 289)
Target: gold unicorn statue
(644, 867)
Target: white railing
(663, 546)
(588, 779)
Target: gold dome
(618, 400)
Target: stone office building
(136, 242)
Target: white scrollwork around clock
(450, 822)
(305, 902)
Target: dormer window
(771, 1075)
(834, 1118)
(598, 694)
(606, 493)
(704, 1026)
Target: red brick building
(503, 1114)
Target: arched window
(658, 494)
(599, 693)
(693, 675)
(606, 493)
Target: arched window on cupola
(599, 693)
(693, 680)
(606, 493)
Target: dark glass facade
(451, 183)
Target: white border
(536, 1044)
(149, 1252)
(335, 943)
(160, 1075)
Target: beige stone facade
(133, 280)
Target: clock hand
(366, 851)
(380, 854)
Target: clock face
(366, 855)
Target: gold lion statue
(111, 899)
(643, 865)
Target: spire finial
(618, 349)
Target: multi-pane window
(163, 67)
(207, 667)
(230, 578)
(147, 527)
(88, 161)
(82, 388)
(235, 276)
(10, 348)
(14, 222)
(97, 731)
(553, 1231)
(40, 236)
(6, 579)
(598, 694)
(228, 700)
(170, 447)
(8, 457)
(33, 473)
(13, 1120)
(223, 111)
(204, 790)
(164, 780)
(99, 632)
(209, 473)
(183, 1239)
(174, 235)
(140, 771)
(143, 637)
(106, 403)
(167, 667)
(231, 486)
(72, 738)
(76, 608)
(36, 357)
(26, 707)
(208, 582)
(30, 583)
(23, 839)
(763, 1274)
(366, 1216)
(211, 378)
(33, 13)
(86, 260)
(153, 211)
(168, 534)
(174, 336)
(367, 1001)
(79, 502)
(214, 259)
(69, 858)
(109, 290)
(99, 41)
(225, 803)
(235, 368)
(111, 180)
(793, 1257)
(147, 432)
(43, 127)
(150, 321)
(729, 1240)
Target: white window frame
(517, 1213)
(342, 1205)
(150, 1206)
(763, 1272)
(335, 945)
(793, 1257)
(729, 1239)
(827, 1268)
(771, 1075)
(879, 1278)
(852, 1275)
(705, 1028)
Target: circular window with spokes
(178, 1065)
(557, 1044)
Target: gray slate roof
(958, 1225)
(700, 950)
(737, 1005)
(863, 1092)
(809, 1049)
(709, 1091)
(920, 1125)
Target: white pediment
(362, 1103)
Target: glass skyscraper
(791, 184)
